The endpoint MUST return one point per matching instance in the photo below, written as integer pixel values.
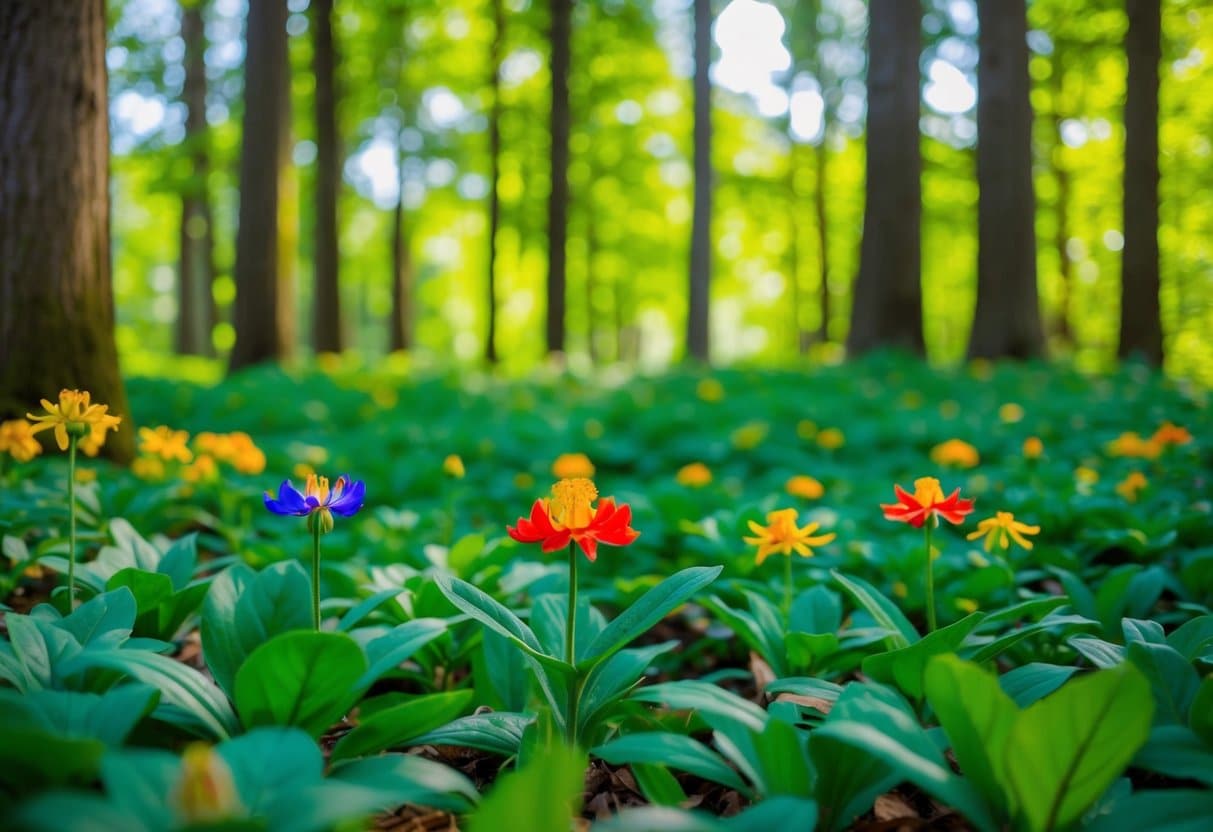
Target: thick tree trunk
(887, 308)
(257, 313)
(558, 199)
(1140, 316)
(1006, 323)
(327, 331)
(56, 297)
(496, 54)
(400, 332)
(196, 317)
(698, 336)
(1065, 263)
(823, 238)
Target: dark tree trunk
(1140, 316)
(823, 238)
(800, 341)
(1061, 174)
(558, 199)
(257, 311)
(400, 336)
(196, 315)
(887, 308)
(496, 54)
(1006, 323)
(698, 337)
(56, 297)
(326, 302)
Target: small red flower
(926, 501)
(569, 515)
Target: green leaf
(89, 813)
(139, 781)
(494, 615)
(1200, 715)
(650, 608)
(887, 615)
(782, 760)
(674, 750)
(1172, 810)
(500, 666)
(303, 679)
(151, 590)
(977, 717)
(657, 784)
(816, 611)
(610, 679)
(398, 645)
(1102, 654)
(105, 620)
(905, 667)
(1176, 751)
(107, 718)
(1065, 750)
(179, 561)
(1192, 637)
(466, 551)
(495, 732)
(715, 704)
(543, 796)
(1034, 681)
(1172, 678)
(405, 778)
(272, 767)
(395, 726)
(355, 614)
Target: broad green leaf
(405, 778)
(303, 679)
(151, 590)
(395, 726)
(714, 704)
(495, 732)
(543, 796)
(782, 759)
(905, 667)
(650, 608)
(887, 615)
(179, 561)
(355, 614)
(1066, 749)
(108, 718)
(657, 785)
(1034, 681)
(1200, 715)
(272, 767)
(141, 781)
(33, 758)
(89, 813)
(105, 620)
(674, 750)
(1172, 678)
(1193, 637)
(1176, 751)
(500, 667)
(816, 611)
(610, 679)
(1172, 810)
(398, 645)
(1102, 654)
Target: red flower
(926, 501)
(569, 515)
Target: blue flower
(344, 498)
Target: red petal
(556, 540)
(590, 546)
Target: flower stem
(930, 579)
(570, 656)
(316, 576)
(787, 586)
(71, 511)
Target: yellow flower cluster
(17, 440)
(75, 415)
(163, 445)
(237, 449)
(1131, 444)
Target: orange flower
(926, 501)
(1130, 444)
(955, 452)
(572, 466)
(1033, 448)
(17, 439)
(781, 534)
(805, 487)
(1169, 434)
(569, 516)
(694, 475)
(831, 439)
(1132, 485)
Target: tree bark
(327, 332)
(887, 308)
(496, 54)
(401, 329)
(1006, 323)
(196, 316)
(558, 199)
(257, 313)
(56, 296)
(1140, 314)
(800, 341)
(823, 236)
(1061, 174)
(700, 279)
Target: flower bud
(205, 791)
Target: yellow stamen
(570, 504)
(927, 491)
(317, 487)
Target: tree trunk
(800, 341)
(496, 54)
(887, 308)
(257, 313)
(401, 329)
(1006, 323)
(196, 317)
(326, 302)
(1061, 174)
(558, 199)
(56, 297)
(698, 337)
(1140, 315)
(823, 237)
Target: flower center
(927, 491)
(317, 487)
(570, 503)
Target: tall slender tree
(196, 316)
(887, 308)
(400, 325)
(1007, 319)
(56, 296)
(558, 198)
(327, 331)
(1061, 175)
(496, 54)
(257, 313)
(1140, 316)
(698, 312)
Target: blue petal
(350, 500)
(289, 503)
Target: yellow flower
(1130, 444)
(205, 791)
(805, 487)
(694, 475)
(900, 590)
(236, 449)
(1131, 486)
(955, 452)
(750, 435)
(17, 439)
(452, 466)
(1001, 529)
(1033, 448)
(75, 415)
(1169, 434)
(148, 468)
(831, 439)
(1010, 413)
(1085, 475)
(166, 443)
(91, 444)
(709, 390)
(781, 534)
(966, 605)
(86, 475)
(572, 466)
(202, 469)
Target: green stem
(316, 573)
(787, 587)
(570, 637)
(930, 579)
(71, 511)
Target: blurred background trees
(494, 180)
